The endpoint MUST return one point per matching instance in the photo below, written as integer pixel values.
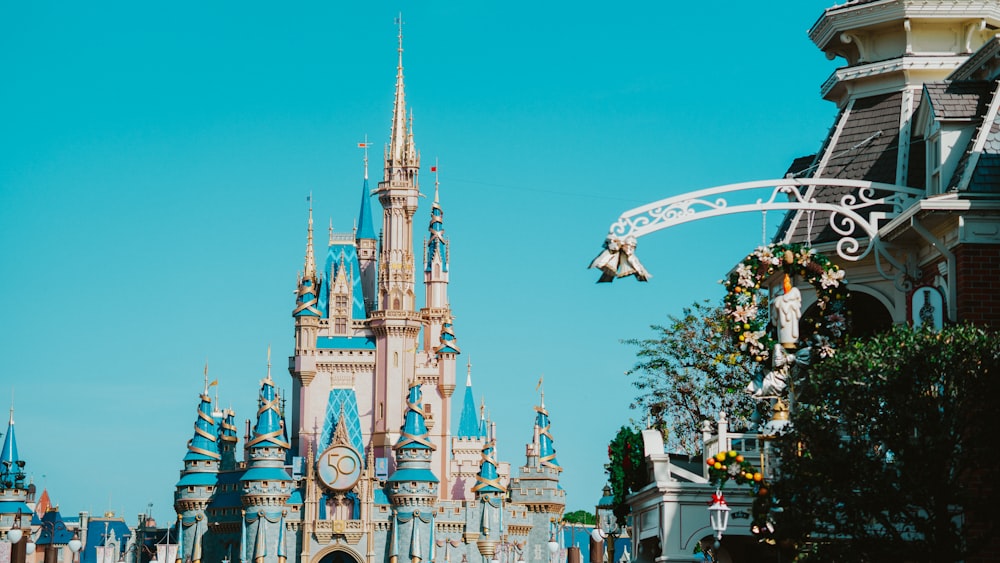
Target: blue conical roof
(546, 450)
(9, 453)
(448, 341)
(307, 300)
(366, 229)
(205, 443)
(437, 247)
(269, 431)
(468, 424)
(488, 479)
(414, 430)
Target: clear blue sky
(155, 161)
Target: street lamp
(553, 542)
(718, 513)
(75, 544)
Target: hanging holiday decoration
(743, 288)
(733, 466)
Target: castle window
(341, 302)
(340, 325)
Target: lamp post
(75, 544)
(553, 544)
(14, 536)
(718, 515)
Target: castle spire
(309, 271)
(12, 463)
(488, 479)
(365, 226)
(308, 290)
(437, 246)
(468, 423)
(398, 140)
(546, 449)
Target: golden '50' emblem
(339, 467)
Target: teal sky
(155, 161)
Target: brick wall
(978, 287)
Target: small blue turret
(546, 449)
(413, 483)
(13, 489)
(199, 480)
(266, 483)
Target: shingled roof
(865, 149)
(958, 100)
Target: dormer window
(934, 164)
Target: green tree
(580, 517)
(626, 468)
(893, 456)
(689, 372)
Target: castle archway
(337, 554)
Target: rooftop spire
(310, 266)
(546, 449)
(398, 137)
(204, 445)
(437, 246)
(468, 424)
(11, 461)
(365, 226)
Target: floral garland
(731, 465)
(747, 326)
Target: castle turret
(266, 483)
(15, 514)
(413, 487)
(490, 493)
(538, 487)
(227, 440)
(199, 480)
(436, 310)
(396, 322)
(307, 312)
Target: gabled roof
(54, 529)
(346, 401)
(964, 100)
(343, 257)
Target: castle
(365, 469)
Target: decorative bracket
(853, 218)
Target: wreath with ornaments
(731, 465)
(748, 328)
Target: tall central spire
(398, 145)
